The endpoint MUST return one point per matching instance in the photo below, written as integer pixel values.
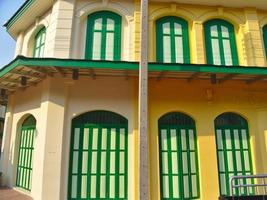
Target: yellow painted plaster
(204, 102)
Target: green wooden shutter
(265, 38)
(233, 151)
(98, 157)
(26, 149)
(179, 173)
(39, 44)
(172, 40)
(103, 40)
(220, 43)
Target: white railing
(258, 184)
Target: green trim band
(123, 65)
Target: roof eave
(18, 23)
(36, 69)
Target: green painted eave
(206, 68)
(25, 6)
(123, 65)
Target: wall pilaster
(60, 30)
(6, 152)
(253, 39)
(198, 43)
(19, 44)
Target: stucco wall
(66, 29)
(204, 102)
(54, 103)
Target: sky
(7, 43)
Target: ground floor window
(233, 151)
(26, 149)
(98, 156)
(178, 157)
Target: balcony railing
(256, 185)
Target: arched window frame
(26, 147)
(232, 39)
(178, 121)
(104, 15)
(184, 35)
(232, 121)
(264, 30)
(97, 120)
(39, 43)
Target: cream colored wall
(23, 103)
(54, 103)
(84, 8)
(204, 102)
(29, 35)
(111, 94)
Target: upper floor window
(172, 40)
(220, 43)
(39, 43)
(265, 38)
(103, 40)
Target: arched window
(98, 156)
(103, 40)
(39, 43)
(172, 40)
(233, 151)
(179, 175)
(220, 43)
(265, 38)
(26, 149)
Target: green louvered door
(233, 152)
(178, 157)
(26, 149)
(98, 161)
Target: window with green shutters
(39, 44)
(233, 151)
(220, 43)
(98, 157)
(103, 40)
(26, 149)
(265, 38)
(172, 40)
(179, 175)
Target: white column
(60, 29)
(19, 44)
(6, 154)
(46, 183)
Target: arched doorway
(233, 150)
(178, 157)
(98, 156)
(26, 150)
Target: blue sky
(7, 44)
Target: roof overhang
(27, 15)
(24, 72)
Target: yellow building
(71, 126)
